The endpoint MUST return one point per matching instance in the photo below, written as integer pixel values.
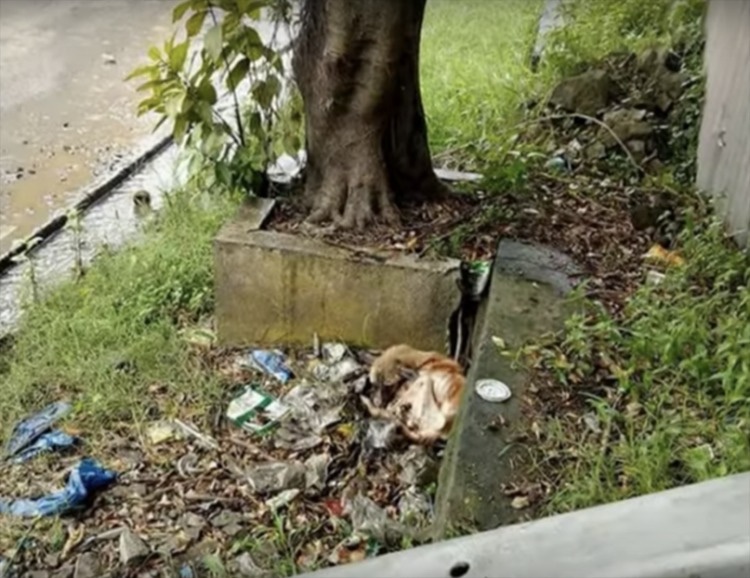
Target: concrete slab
(275, 288)
(526, 300)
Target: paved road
(65, 111)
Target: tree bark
(357, 67)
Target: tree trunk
(357, 67)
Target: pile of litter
(292, 473)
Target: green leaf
(151, 84)
(238, 73)
(254, 125)
(174, 105)
(180, 9)
(141, 71)
(178, 55)
(251, 8)
(154, 53)
(148, 104)
(206, 91)
(180, 128)
(213, 42)
(162, 120)
(223, 174)
(265, 91)
(195, 23)
(206, 112)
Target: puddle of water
(112, 221)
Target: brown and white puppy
(426, 406)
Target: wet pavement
(66, 116)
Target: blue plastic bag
(47, 442)
(27, 431)
(85, 480)
(272, 362)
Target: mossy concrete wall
(526, 300)
(276, 288)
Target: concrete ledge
(526, 300)
(701, 530)
(275, 288)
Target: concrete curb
(527, 299)
(96, 193)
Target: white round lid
(492, 390)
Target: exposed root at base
(354, 208)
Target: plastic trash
(380, 434)
(414, 507)
(369, 519)
(282, 499)
(476, 278)
(316, 473)
(47, 442)
(256, 411)
(559, 164)
(272, 477)
(314, 408)
(344, 370)
(334, 352)
(86, 479)
(27, 431)
(272, 363)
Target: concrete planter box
(276, 288)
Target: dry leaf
(661, 255)
(520, 502)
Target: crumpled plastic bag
(47, 442)
(85, 480)
(28, 430)
(272, 363)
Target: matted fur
(426, 406)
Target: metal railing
(697, 531)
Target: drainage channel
(107, 214)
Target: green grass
(669, 383)
(123, 310)
(475, 75)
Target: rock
(191, 520)
(586, 93)
(109, 58)
(637, 149)
(52, 560)
(247, 568)
(132, 548)
(228, 522)
(596, 150)
(627, 124)
(38, 574)
(651, 60)
(87, 566)
(274, 477)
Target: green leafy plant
(183, 83)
